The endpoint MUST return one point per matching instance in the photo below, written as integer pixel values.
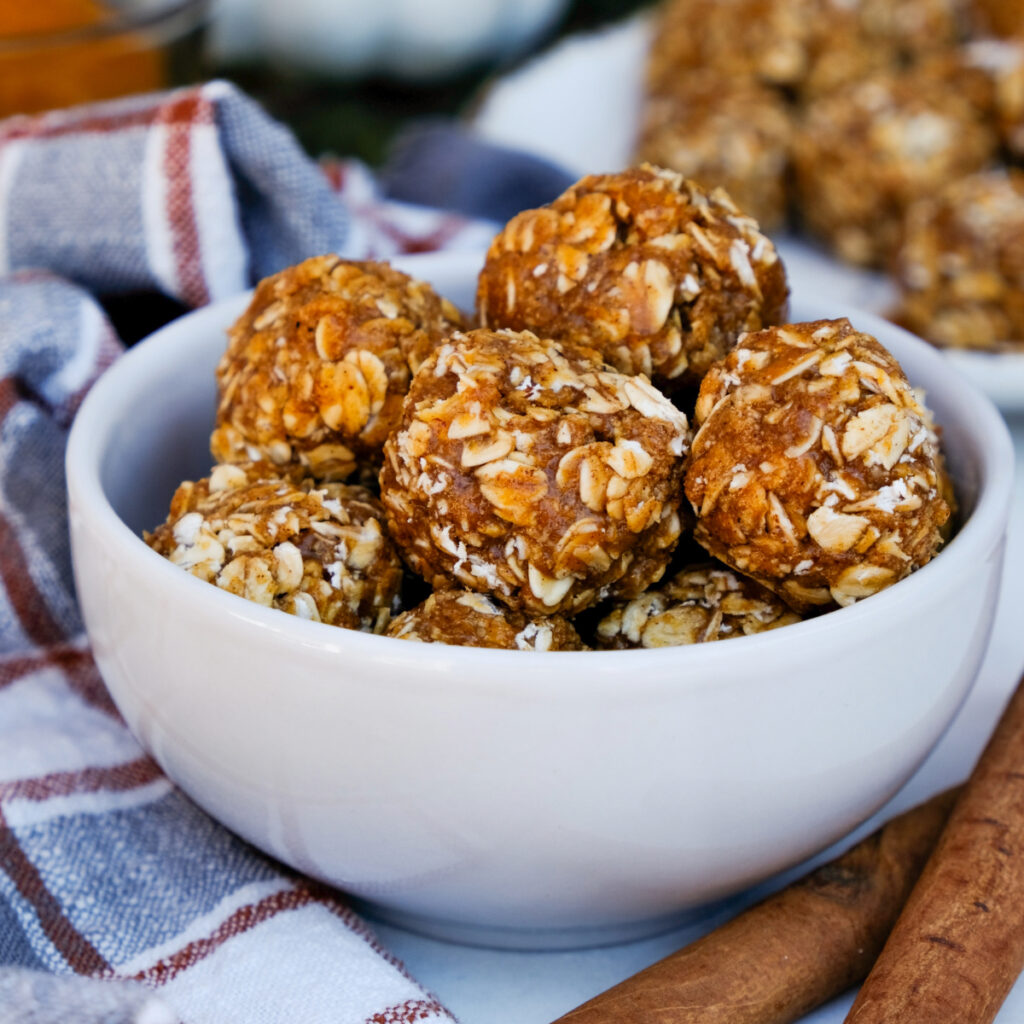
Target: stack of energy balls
(532, 481)
(890, 130)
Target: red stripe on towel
(408, 1012)
(242, 920)
(54, 125)
(22, 593)
(78, 667)
(115, 778)
(80, 954)
(180, 118)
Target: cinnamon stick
(958, 946)
(795, 950)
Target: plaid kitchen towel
(119, 899)
(196, 193)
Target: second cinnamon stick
(958, 946)
(797, 949)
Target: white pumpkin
(410, 39)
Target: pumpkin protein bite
(916, 29)
(718, 130)
(864, 152)
(698, 604)
(532, 472)
(816, 469)
(1002, 62)
(763, 40)
(657, 274)
(798, 47)
(316, 368)
(317, 551)
(469, 619)
(999, 17)
(854, 41)
(960, 270)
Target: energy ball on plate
(316, 551)
(816, 469)
(798, 47)
(765, 40)
(469, 619)
(316, 368)
(1002, 62)
(656, 273)
(864, 152)
(960, 269)
(532, 472)
(853, 41)
(698, 604)
(723, 131)
(1001, 17)
(914, 28)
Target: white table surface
(487, 986)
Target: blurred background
(344, 74)
(887, 134)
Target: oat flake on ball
(698, 604)
(656, 273)
(534, 473)
(816, 469)
(316, 551)
(316, 368)
(469, 619)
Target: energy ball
(764, 40)
(698, 604)
(1000, 17)
(843, 56)
(532, 472)
(1002, 62)
(316, 551)
(798, 47)
(316, 368)
(469, 619)
(816, 469)
(915, 29)
(723, 131)
(864, 152)
(853, 41)
(656, 273)
(960, 269)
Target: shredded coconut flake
(186, 529)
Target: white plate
(578, 106)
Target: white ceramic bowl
(499, 796)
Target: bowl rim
(977, 537)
